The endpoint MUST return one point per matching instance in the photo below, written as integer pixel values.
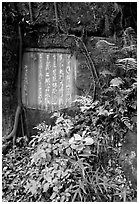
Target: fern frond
(127, 122)
(127, 63)
(130, 48)
(104, 46)
(129, 37)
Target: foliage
(65, 168)
(78, 158)
(13, 174)
(96, 17)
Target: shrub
(77, 159)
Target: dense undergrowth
(78, 158)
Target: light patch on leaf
(77, 137)
(53, 195)
(102, 111)
(55, 189)
(106, 72)
(46, 187)
(80, 147)
(88, 141)
(71, 140)
(73, 146)
(119, 100)
(68, 151)
(116, 82)
(32, 186)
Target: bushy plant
(76, 159)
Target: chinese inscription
(52, 81)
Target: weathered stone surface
(83, 83)
(33, 117)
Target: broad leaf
(102, 111)
(53, 195)
(55, 189)
(88, 141)
(71, 140)
(77, 137)
(68, 151)
(119, 99)
(116, 82)
(127, 63)
(80, 147)
(106, 72)
(73, 146)
(32, 186)
(46, 187)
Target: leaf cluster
(78, 157)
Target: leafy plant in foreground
(70, 163)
